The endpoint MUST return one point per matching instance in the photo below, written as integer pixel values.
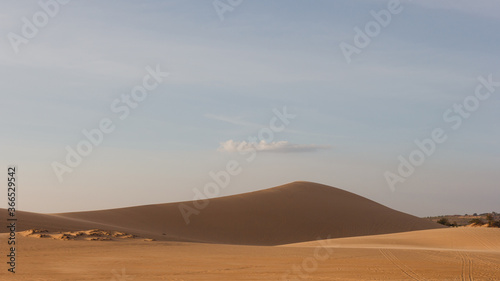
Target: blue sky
(226, 77)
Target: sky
(179, 90)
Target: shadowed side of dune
(29, 220)
(295, 212)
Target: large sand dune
(295, 212)
(370, 242)
(441, 254)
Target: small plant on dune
(444, 221)
(477, 221)
(490, 219)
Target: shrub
(489, 218)
(495, 223)
(477, 221)
(444, 221)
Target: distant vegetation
(476, 221)
(486, 219)
(445, 221)
(491, 220)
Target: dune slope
(463, 238)
(437, 254)
(295, 212)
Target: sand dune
(464, 238)
(382, 257)
(295, 212)
(371, 242)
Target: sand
(296, 212)
(371, 258)
(264, 235)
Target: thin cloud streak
(233, 120)
(263, 146)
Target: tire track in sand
(399, 264)
(467, 266)
(478, 238)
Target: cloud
(280, 146)
(233, 120)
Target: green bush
(495, 224)
(477, 221)
(444, 221)
(489, 218)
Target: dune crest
(291, 213)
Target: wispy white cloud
(233, 120)
(280, 146)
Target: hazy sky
(229, 72)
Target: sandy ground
(291, 213)
(440, 254)
(263, 235)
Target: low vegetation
(477, 221)
(486, 219)
(491, 220)
(445, 221)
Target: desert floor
(438, 254)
